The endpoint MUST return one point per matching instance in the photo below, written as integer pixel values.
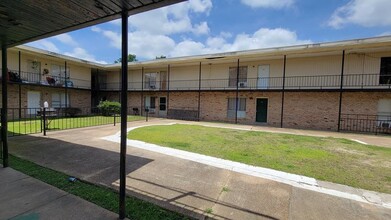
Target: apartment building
(329, 86)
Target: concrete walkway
(185, 186)
(23, 197)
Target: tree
(131, 58)
(161, 57)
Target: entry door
(33, 102)
(263, 76)
(162, 106)
(262, 110)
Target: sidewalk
(185, 186)
(23, 197)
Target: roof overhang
(23, 21)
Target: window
(385, 70)
(150, 81)
(59, 99)
(59, 71)
(232, 107)
(384, 113)
(242, 76)
(150, 102)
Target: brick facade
(309, 110)
(77, 98)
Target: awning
(23, 21)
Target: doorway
(263, 76)
(261, 115)
(163, 107)
(33, 102)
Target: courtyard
(197, 189)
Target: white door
(263, 76)
(33, 102)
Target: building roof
(383, 42)
(26, 21)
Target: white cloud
(81, 53)
(173, 19)
(201, 28)
(200, 6)
(66, 39)
(368, 13)
(45, 45)
(148, 46)
(263, 38)
(268, 3)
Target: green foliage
(131, 58)
(332, 159)
(108, 108)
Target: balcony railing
(322, 82)
(47, 80)
(366, 123)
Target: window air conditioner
(385, 124)
(242, 84)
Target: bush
(109, 108)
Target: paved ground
(23, 197)
(182, 185)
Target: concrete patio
(181, 185)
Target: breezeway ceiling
(23, 21)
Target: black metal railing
(47, 80)
(366, 123)
(321, 82)
(36, 120)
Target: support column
(199, 92)
(124, 105)
(168, 87)
(142, 90)
(341, 90)
(66, 85)
(4, 73)
(20, 85)
(237, 93)
(283, 93)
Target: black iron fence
(350, 81)
(366, 123)
(38, 120)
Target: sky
(211, 26)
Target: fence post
(114, 118)
(44, 121)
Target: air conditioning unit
(385, 124)
(242, 84)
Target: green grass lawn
(102, 196)
(34, 125)
(331, 159)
